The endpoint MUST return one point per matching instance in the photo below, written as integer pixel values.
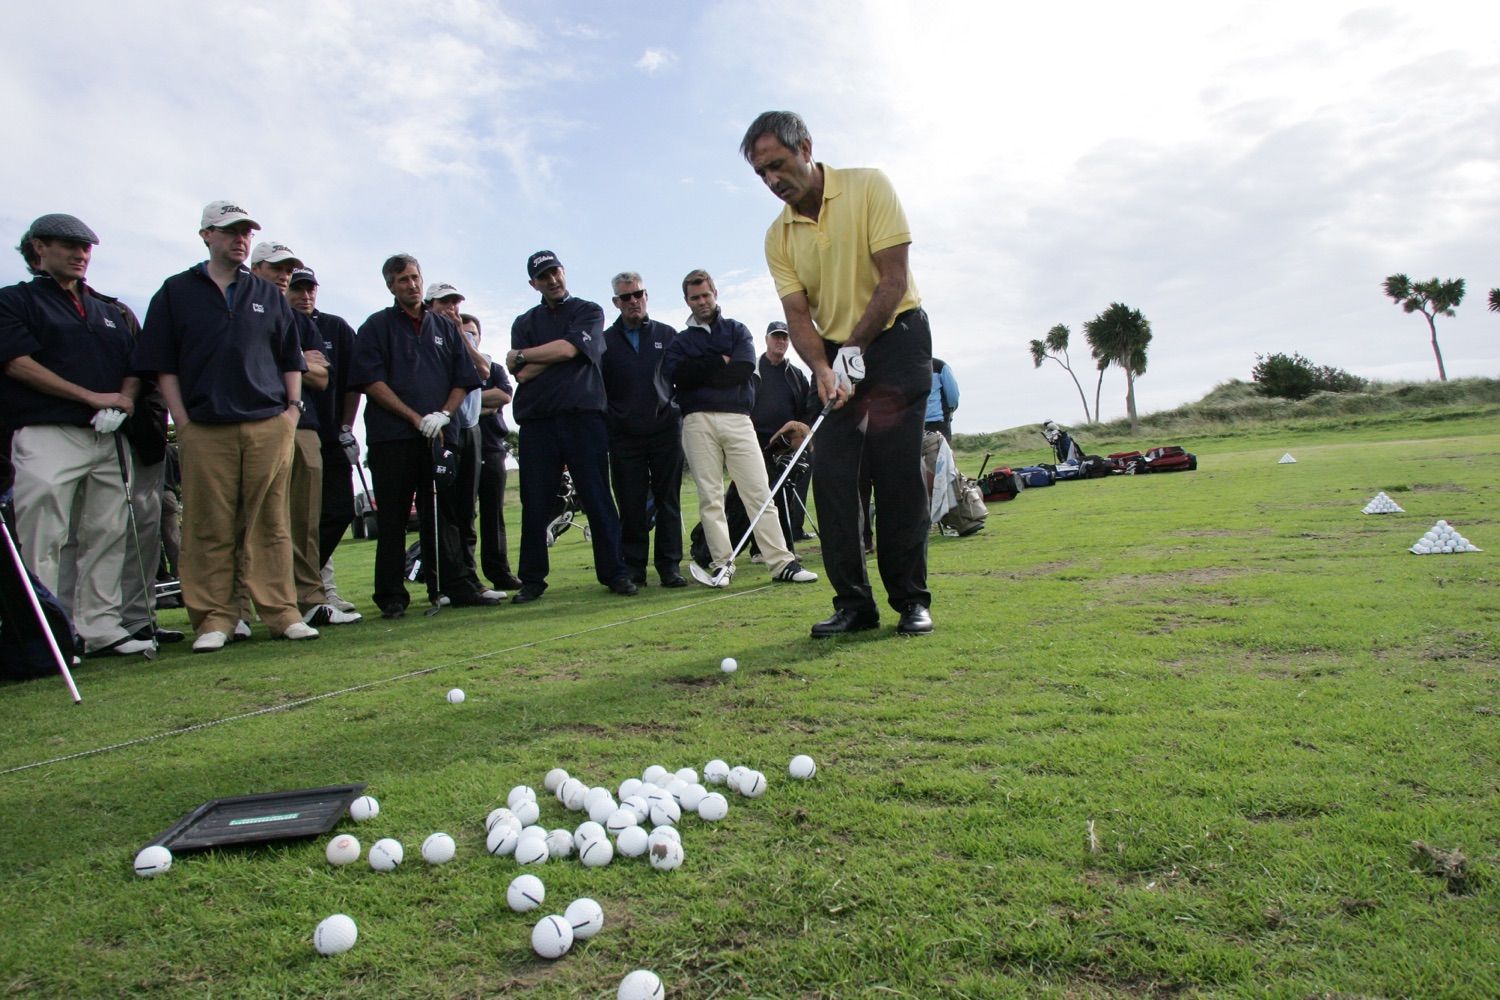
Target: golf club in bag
(718, 577)
(36, 608)
(135, 533)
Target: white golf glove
(350, 445)
(849, 367)
(433, 424)
(108, 421)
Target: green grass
(1255, 694)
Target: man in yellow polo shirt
(838, 255)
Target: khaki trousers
(306, 494)
(70, 520)
(235, 477)
(714, 442)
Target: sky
(1246, 175)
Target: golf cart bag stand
(253, 819)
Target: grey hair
(625, 278)
(787, 126)
(395, 264)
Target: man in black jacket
(645, 435)
(783, 395)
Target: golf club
(437, 560)
(147, 592)
(770, 494)
(983, 465)
(36, 608)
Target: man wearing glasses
(645, 435)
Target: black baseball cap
(540, 263)
(303, 275)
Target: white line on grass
(370, 684)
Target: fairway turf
(1256, 695)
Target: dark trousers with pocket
(401, 471)
(645, 468)
(338, 501)
(881, 429)
(494, 555)
(579, 442)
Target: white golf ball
(335, 935)
(596, 852)
(736, 774)
(342, 849)
(691, 797)
(535, 830)
(665, 855)
(456, 696)
(532, 850)
(526, 892)
(686, 775)
(386, 854)
(629, 787)
(665, 811)
(527, 811)
(631, 843)
(520, 793)
(642, 984)
(619, 820)
(802, 767)
(573, 794)
(714, 807)
(363, 808)
(552, 937)
(502, 815)
(655, 774)
(152, 861)
(602, 809)
(753, 785)
(729, 664)
(638, 805)
(676, 787)
(438, 849)
(564, 786)
(714, 772)
(587, 830)
(555, 777)
(560, 844)
(662, 833)
(586, 917)
(596, 794)
(502, 840)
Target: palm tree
(1495, 300)
(1119, 335)
(1430, 298)
(1055, 346)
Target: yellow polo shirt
(832, 259)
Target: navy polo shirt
(492, 429)
(420, 362)
(90, 349)
(228, 359)
(572, 386)
(640, 398)
(338, 347)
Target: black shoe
(161, 635)
(673, 580)
(483, 599)
(393, 611)
(846, 621)
(624, 586)
(803, 536)
(526, 594)
(639, 579)
(507, 581)
(914, 621)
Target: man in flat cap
(67, 387)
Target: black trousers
(579, 442)
(880, 428)
(644, 467)
(338, 502)
(460, 579)
(494, 556)
(401, 472)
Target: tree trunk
(1098, 388)
(1135, 427)
(1442, 372)
(1082, 398)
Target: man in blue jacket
(559, 403)
(710, 364)
(645, 435)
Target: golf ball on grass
(521, 793)
(363, 808)
(526, 811)
(554, 778)
(552, 937)
(342, 850)
(152, 861)
(665, 855)
(642, 984)
(686, 775)
(735, 776)
(502, 815)
(691, 797)
(665, 811)
(620, 819)
(752, 784)
(729, 664)
(629, 787)
(525, 893)
(438, 849)
(631, 843)
(586, 918)
(662, 834)
(596, 852)
(386, 854)
(560, 843)
(802, 767)
(502, 840)
(715, 771)
(713, 808)
(532, 850)
(335, 935)
(456, 696)
(655, 774)
(587, 830)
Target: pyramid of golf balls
(1382, 504)
(1286, 459)
(1442, 539)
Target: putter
(437, 560)
(135, 532)
(791, 464)
(41, 617)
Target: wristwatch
(299, 404)
(520, 357)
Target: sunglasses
(639, 293)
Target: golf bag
(1072, 463)
(24, 651)
(956, 503)
(1000, 484)
(1037, 475)
(968, 515)
(1169, 459)
(1126, 462)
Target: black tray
(251, 819)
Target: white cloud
(653, 61)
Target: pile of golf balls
(1441, 538)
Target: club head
(432, 611)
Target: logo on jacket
(437, 338)
(656, 344)
(109, 322)
(587, 338)
(257, 307)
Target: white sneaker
(210, 642)
(241, 631)
(340, 617)
(793, 572)
(299, 630)
(492, 595)
(338, 603)
(757, 559)
(126, 647)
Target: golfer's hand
(350, 444)
(513, 361)
(432, 425)
(792, 434)
(849, 367)
(830, 388)
(107, 421)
